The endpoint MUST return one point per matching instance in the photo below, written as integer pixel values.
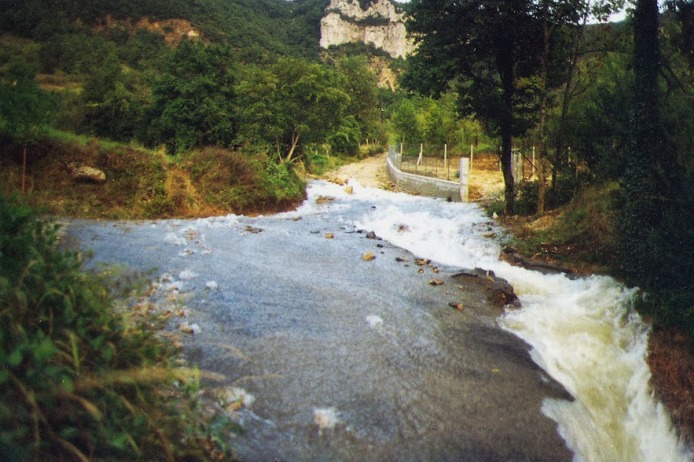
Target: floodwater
(340, 356)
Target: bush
(526, 203)
(79, 381)
(241, 182)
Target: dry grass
(141, 183)
(671, 359)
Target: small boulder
(85, 174)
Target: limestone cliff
(380, 25)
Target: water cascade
(335, 357)
(583, 332)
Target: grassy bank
(83, 373)
(584, 237)
(145, 184)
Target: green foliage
(289, 105)
(345, 139)
(284, 183)
(361, 84)
(192, 99)
(319, 161)
(242, 183)
(25, 109)
(598, 126)
(404, 122)
(76, 52)
(78, 381)
(115, 101)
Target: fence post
(464, 177)
(419, 158)
(445, 162)
(517, 166)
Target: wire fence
(438, 162)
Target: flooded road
(345, 357)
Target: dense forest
(608, 108)
(212, 106)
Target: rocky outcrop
(173, 30)
(380, 25)
(499, 291)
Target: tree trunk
(506, 64)
(559, 147)
(507, 170)
(543, 109)
(647, 170)
(24, 169)
(294, 144)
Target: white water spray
(582, 332)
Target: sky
(617, 17)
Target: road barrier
(456, 191)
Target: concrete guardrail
(428, 186)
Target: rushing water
(584, 333)
(338, 358)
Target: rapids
(341, 358)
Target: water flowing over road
(345, 349)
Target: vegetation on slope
(81, 379)
(223, 123)
(141, 183)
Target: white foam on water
(374, 321)
(171, 238)
(583, 332)
(325, 418)
(187, 275)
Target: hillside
(253, 27)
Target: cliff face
(379, 25)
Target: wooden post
(517, 166)
(419, 159)
(445, 162)
(24, 168)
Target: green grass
(79, 378)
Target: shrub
(78, 381)
(241, 182)
(526, 203)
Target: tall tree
(487, 47)
(25, 109)
(192, 100)
(115, 101)
(361, 84)
(290, 104)
(650, 178)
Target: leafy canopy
(290, 104)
